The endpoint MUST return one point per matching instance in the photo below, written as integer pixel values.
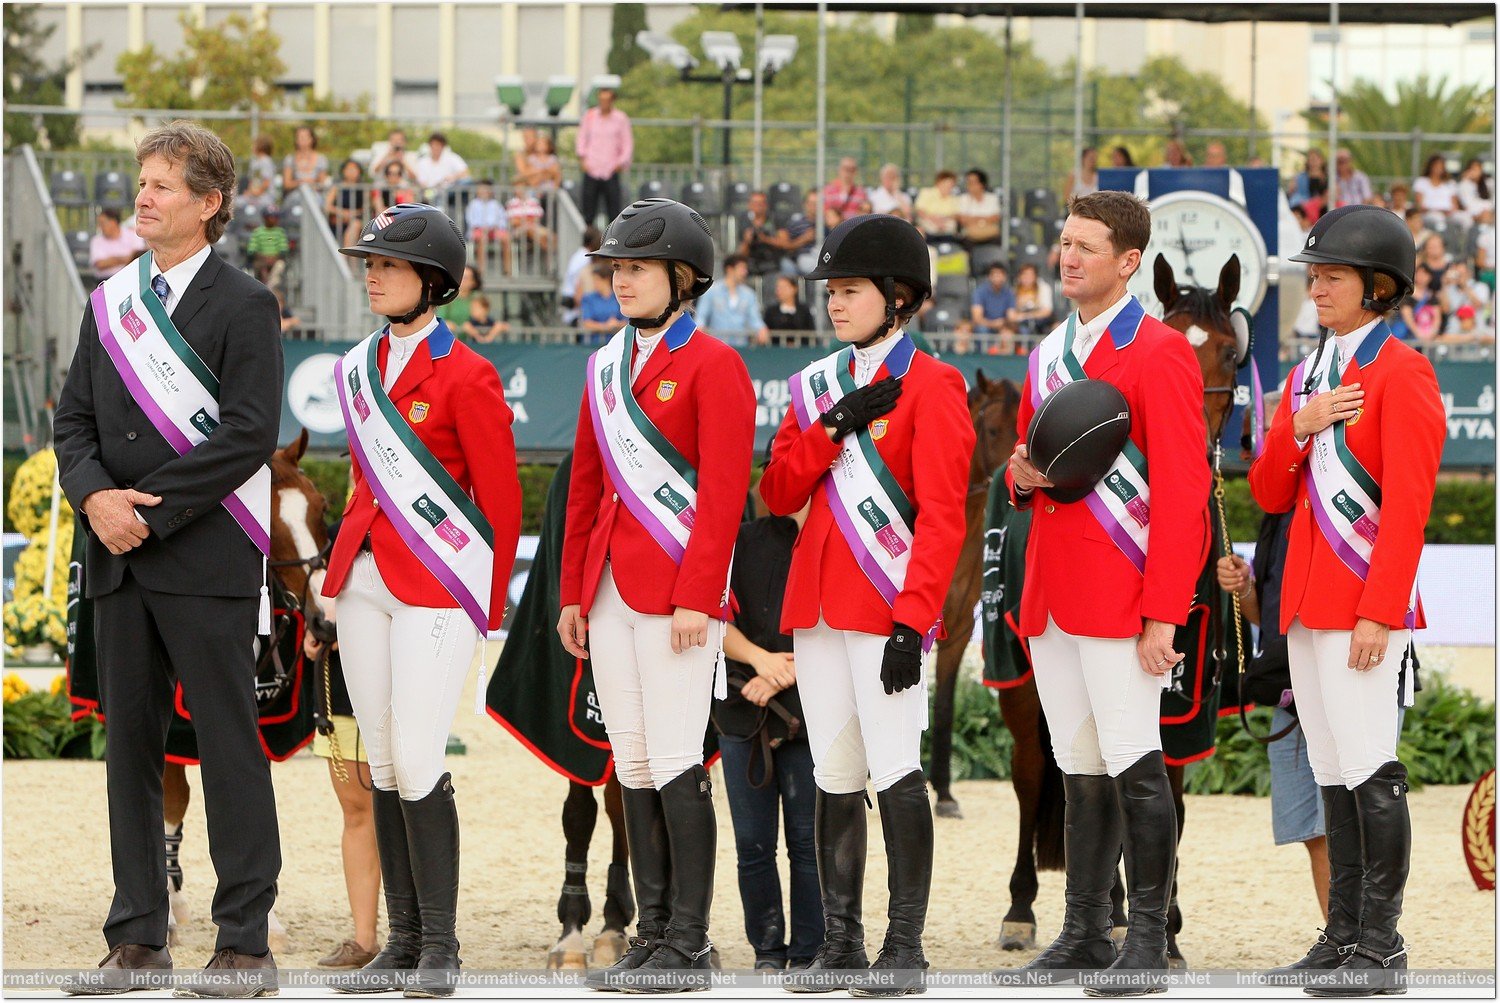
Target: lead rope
(1234, 598)
(335, 753)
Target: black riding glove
(860, 407)
(902, 666)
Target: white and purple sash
(431, 512)
(1344, 498)
(176, 389)
(1121, 501)
(873, 514)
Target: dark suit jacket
(104, 440)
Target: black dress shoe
(126, 968)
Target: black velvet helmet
(422, 234)
(663, 230)
(1369, 239)
(875, 247)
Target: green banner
(544, 385)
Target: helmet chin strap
(423, 305)
(889, 288)
(673, 302)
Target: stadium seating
(653, 189)
(982, 256)
(112, 190)
(68, 189)
(78, 246)
(1041, 205)
(785, 200)
(703, 197)
(737, 199)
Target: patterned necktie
(160, 287)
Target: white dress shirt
(644, 346)
(868, 360)
(1086, 336)
(400, 353)
(180, 276)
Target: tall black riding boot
(1091, 835)
(1377, 965)
(403, 945)
(1145, 796)
(1346, 874)
(906, 821)
(432, 833)
(681, 961)
(651, 871)
(841, 834)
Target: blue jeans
(754, 812)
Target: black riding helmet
(663, 230)
(883, 249)
(1369, 239)
(425, 236)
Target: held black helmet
(884, 249)
(663, 230)
(1370, 240)
(425, 236)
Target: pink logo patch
(686, 516)
(361, 407)
(452, 535)
(134, 325)
(1138, 510)
(1366, 528)
(892, 543)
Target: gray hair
(207, 165)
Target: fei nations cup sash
(1121, 501)
(1344, 498)
(434, 517)
(167, 379)
(873, 514)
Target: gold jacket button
(375, 502)
(1051, 509)
(1306, 503)
(616, 497)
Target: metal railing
(332, 305)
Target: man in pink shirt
(605, 147)
(844, 196)
(113, 247)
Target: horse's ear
(982, 381)
(1010, 391)
(1229, 281)
(1165, 282)
(298, 446)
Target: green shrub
(1463, 511)
(40, 725)
(981, 742)
(332, 479)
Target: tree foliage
(1166, 96)
(29, 81)
(624, 54)
(1424, 103)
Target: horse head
(993, 406)
(299, 537)
(1204, 317)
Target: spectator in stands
(760, 240)
(1084, 179)
(1459, 291)
(304, 165)
(521, 168)
(1416, 223)
(113, 247)
(546, 169)
(487, 223)
(393, 151)
(1484, 247)
(526, 217)
(606, 146)
(1400, 199)
(937, 207)
(456, 313)
(799, 236)
(264, 182)
(992, 305)
(1032, 314)
(1353, 184)
(1474, 194)
(978, 209)
(480, 326)
(289, 320)
(1432, 258)
(729, 310)
(576, 281)
(599, 312)
(844, 196)
(1120, 157)
(789, 312)
(268, 248)
(963, 336)
(1176, 154)
(439, 166)
(397, 190)
(1310, 188)
(1436, 194)
(348, 203)
(1214, 155)
(889, 198)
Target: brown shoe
(347, 955)
(126, 968)
(232, 975)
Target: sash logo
(665, 389)
(446, 530)
(1053, 380)
(204, 423)
(821, 397)
(132, 322)
(418, 412)
(885, 533)
(1127, 493)
(878, 428)
(608, 377)
(1355, 513)
(679, 505)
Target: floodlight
(511, 92)
(722, 48)
(776, 51)
(559, 93)
(663, 50)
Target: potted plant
(36, 629)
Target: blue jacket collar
(1127, 323)
(681, 331)
(1373, 342)
(440, 341)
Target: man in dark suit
(176, 580)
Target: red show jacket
(1398, 437)
(928, 444)
(465, 423)
(697, 392)
(1074, 572)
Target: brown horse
(299, 540)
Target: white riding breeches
(856, 729)
(1103, 709)
(1351, 718)
(405, 668)
(655, 703)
